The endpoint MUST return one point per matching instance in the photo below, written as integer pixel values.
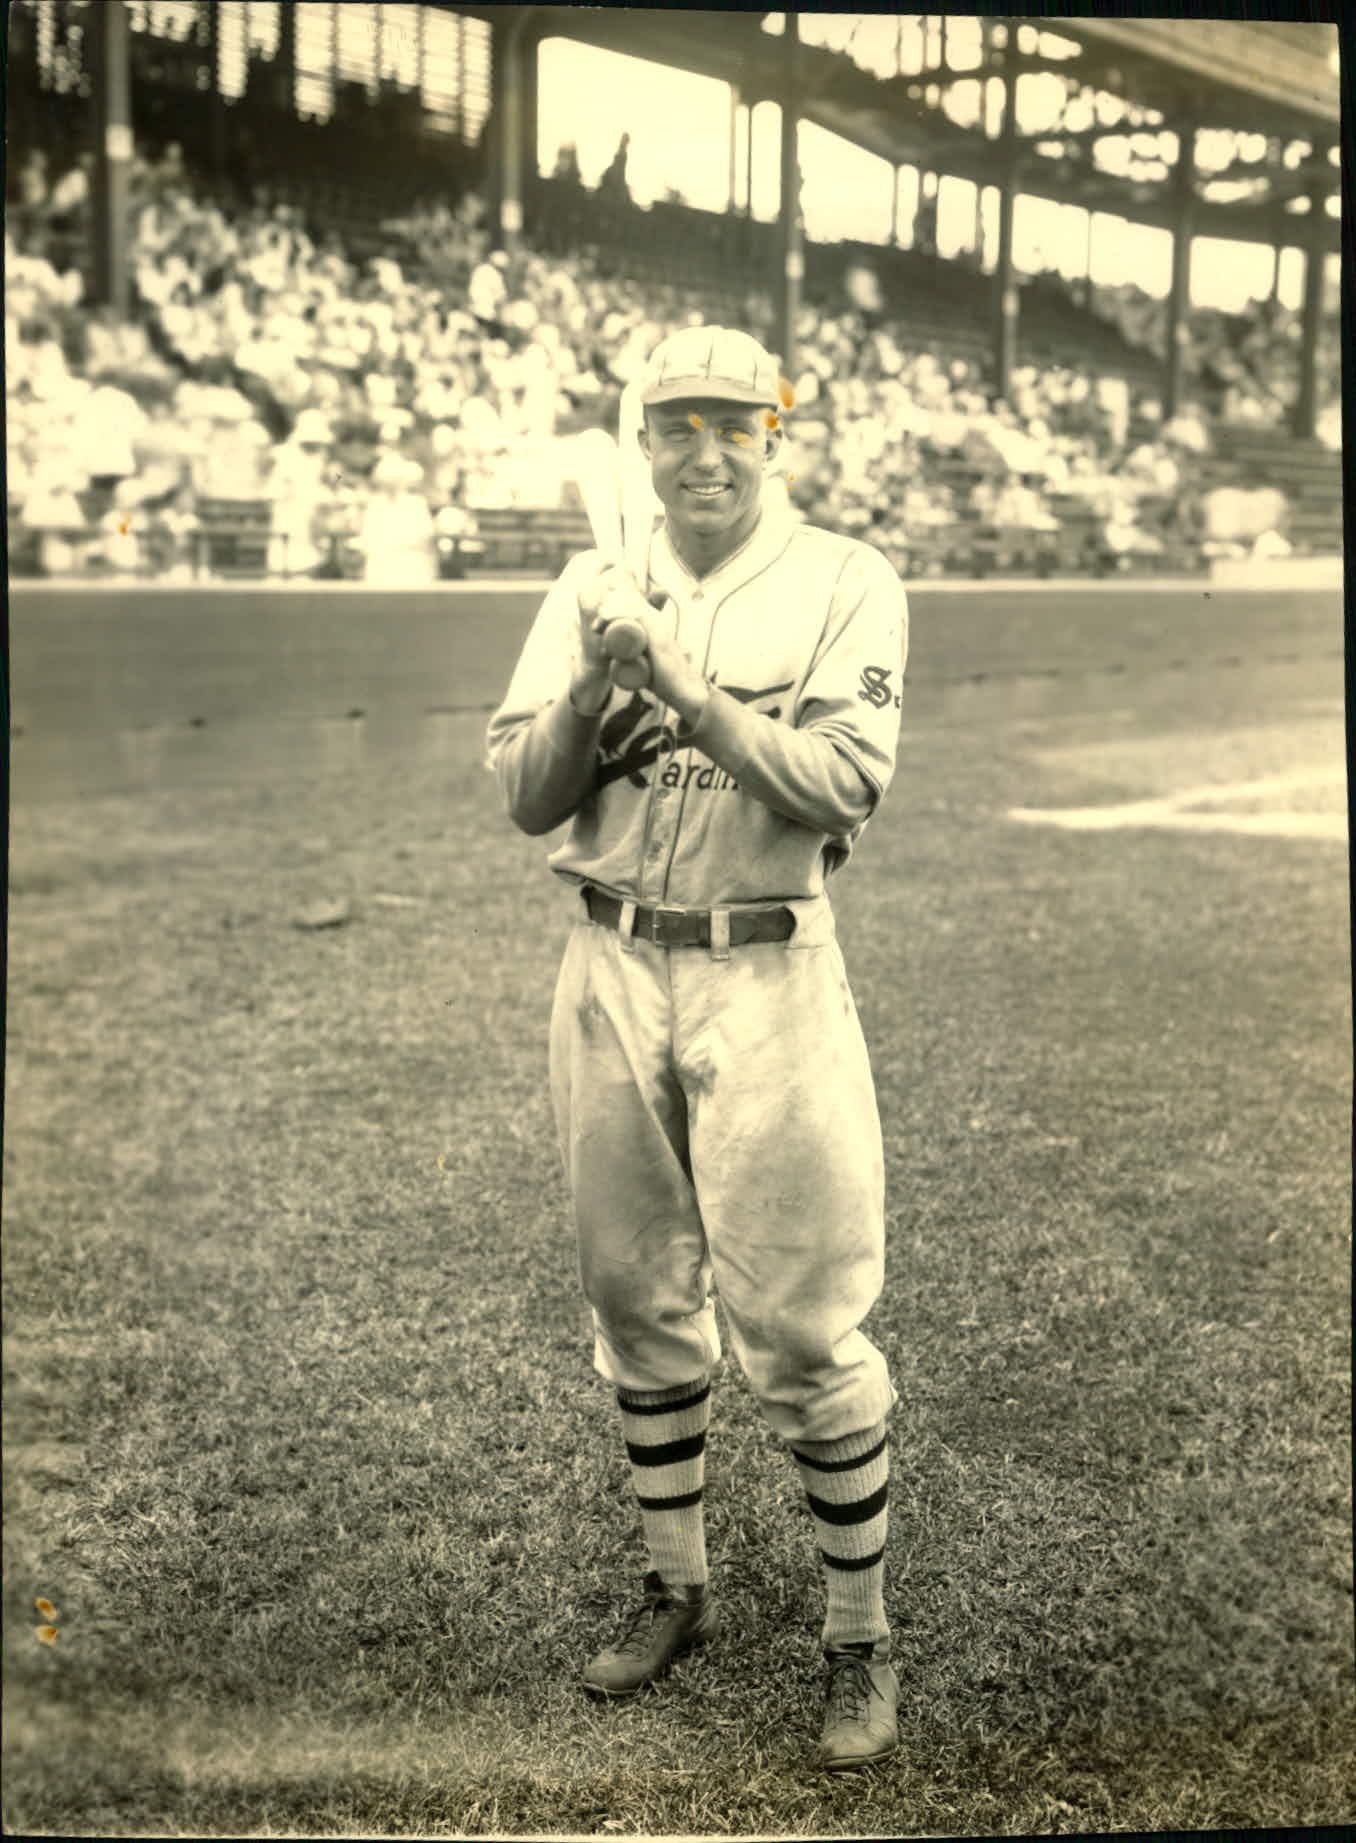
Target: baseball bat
(637, 494)
(598, 474)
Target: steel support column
(1179, 294)
(1005, 295)
(112, 156)
(923, 231)
(1311, 320)
(511, 49)
(527, 117)
(979, 225)
(1089, 287)
(216, 102)
(285, 60)
(793, 259)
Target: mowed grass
(304, 1445)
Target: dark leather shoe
(669, 1621)
(860, 1725)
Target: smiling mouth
(712, 491)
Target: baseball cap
(710, 361)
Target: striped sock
(665, 1432)
(847, 1483)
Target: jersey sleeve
(852, 694)
(540, 748)
(796, 773)
(547, 661)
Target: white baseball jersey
(805, 636)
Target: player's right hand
(592, 593)
(592, 683)
(612, 596)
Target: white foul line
(1181, 812)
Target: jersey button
(698, 595)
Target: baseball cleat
(668, 1622)
(860, 1725)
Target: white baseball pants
(718, 1124)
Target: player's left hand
(673, 676)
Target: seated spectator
(300, 489)
(396, 535)
(49, 506)
(487, 289)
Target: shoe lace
(850, 1687)
(635, 1639)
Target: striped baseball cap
(710, 361)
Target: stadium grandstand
(292, 292)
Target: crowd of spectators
(262, 361)
(1244, 365)
(896, 446)
(383, 405)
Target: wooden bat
(600, 476)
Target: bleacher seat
(233, 536)
(523, 541)
(1309, 474)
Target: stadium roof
(1279, 80)
(1224, 71)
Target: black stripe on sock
(852, 1564)
(664, 1407)
(860, 1510)
(841, 1465)
(668, 1452)
(684, 1502)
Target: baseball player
(711, 1087)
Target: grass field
(303, 1442)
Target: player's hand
(672, 675)
(591, 685)
(591, 593)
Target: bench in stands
(526, 541)
(233, 537)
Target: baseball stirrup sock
(847, 1482)
(665, 1432)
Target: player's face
(708, 461)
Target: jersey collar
(764, 544)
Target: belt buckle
(658, 917)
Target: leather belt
(691, 927)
